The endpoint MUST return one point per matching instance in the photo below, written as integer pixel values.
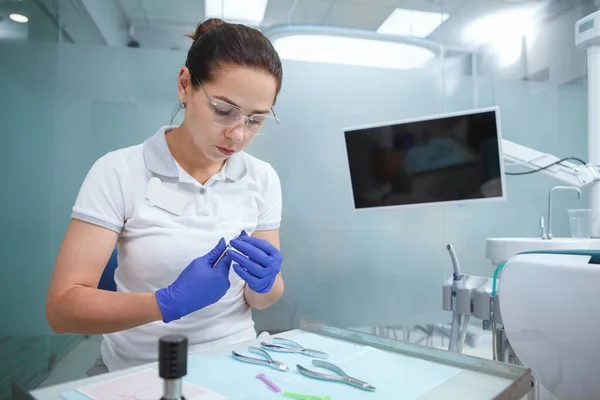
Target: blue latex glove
(199, 285)
(260, 266)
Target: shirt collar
(159, 160)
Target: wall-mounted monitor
(447, 158)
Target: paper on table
(144, 385)
(394, 375)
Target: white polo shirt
(161, 235)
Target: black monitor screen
(449, 158)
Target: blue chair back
(107, 280)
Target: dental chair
(543, 315)
(548, 301)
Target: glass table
(472, 378)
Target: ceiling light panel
(412, 23)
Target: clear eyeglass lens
(226, 115)
(260, 124)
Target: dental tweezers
(266, 360)
(292, 347)
(341, 376)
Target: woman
(171, 204)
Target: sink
(498, 250)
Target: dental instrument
(269, 383)
(227, 248)
(341, 376)
(266, 360)
(453, 344)
(289, 346)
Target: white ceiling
(166, 21)
(162, 24)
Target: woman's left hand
(261, 264)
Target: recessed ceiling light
(20, 18)
(412, 23)
(247, 11)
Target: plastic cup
(581, 223)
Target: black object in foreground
(172, 365)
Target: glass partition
(29, 35)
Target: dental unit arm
(572, 174)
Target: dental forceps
(292, 347)
(341, 376)
(266, 361)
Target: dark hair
(218, 44)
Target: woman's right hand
(199, 285)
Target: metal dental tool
(227, 248)
(341, 376)
(266, 360)
(292, 347)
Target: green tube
(299, 396)
(496, 277)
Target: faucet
(550, 206)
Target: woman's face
(250, 90)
